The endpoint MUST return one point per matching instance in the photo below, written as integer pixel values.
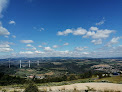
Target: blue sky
(53, 28)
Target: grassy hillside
(114, 79)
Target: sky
(60, 28)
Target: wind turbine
(29, 63)
(37, 62)
(9, 64)
(20, 64)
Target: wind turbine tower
(37, 62)
(9, 64)
(29, 63)
(20, 64)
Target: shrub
(31, 88)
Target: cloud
(66, 44)
(26, 41)
(98, 33)
(99, 41)
(33, 48)
(26, 52)
(80, 48)
(39, 52)
(6, 36)
(55, 46)
(12, 22)
(102, 33)
(85, 53)
(47, 49)
(42, 29)
(13, 36)
(66, 32)
(113, 41)
(40, 46)
(53, 53)
(29, 45)
(3, 5)
(101, 22)
(78, 31)
(39, 28)
(3, 31)
(108, 52)
(5, 47)
(88, 34)
(93, 32)
(94, 28)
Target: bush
(31, 88)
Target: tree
(31, 88)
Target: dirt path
(83, 86)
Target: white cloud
(6, 36)
(47, 49)
(86, 53)
(80, 48)
(101, 22)
(25, 52)
(12, 22)
(93, 32)
(79, 31)
(102, 33)
(26, 41)
(41, 29)
(5, 47)
(99, 41)
(33, 48)
(88, 34)
(66, 44)
(113, 41)
(39, 52)
(29, 45)
(40, 46)
(55, 46)
(99, 34)
(94, 28)
(3, 31)
(13, 36)
(108, 52)
(3, 5)
(66, 32)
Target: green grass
(66, 82)
(114, 79)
